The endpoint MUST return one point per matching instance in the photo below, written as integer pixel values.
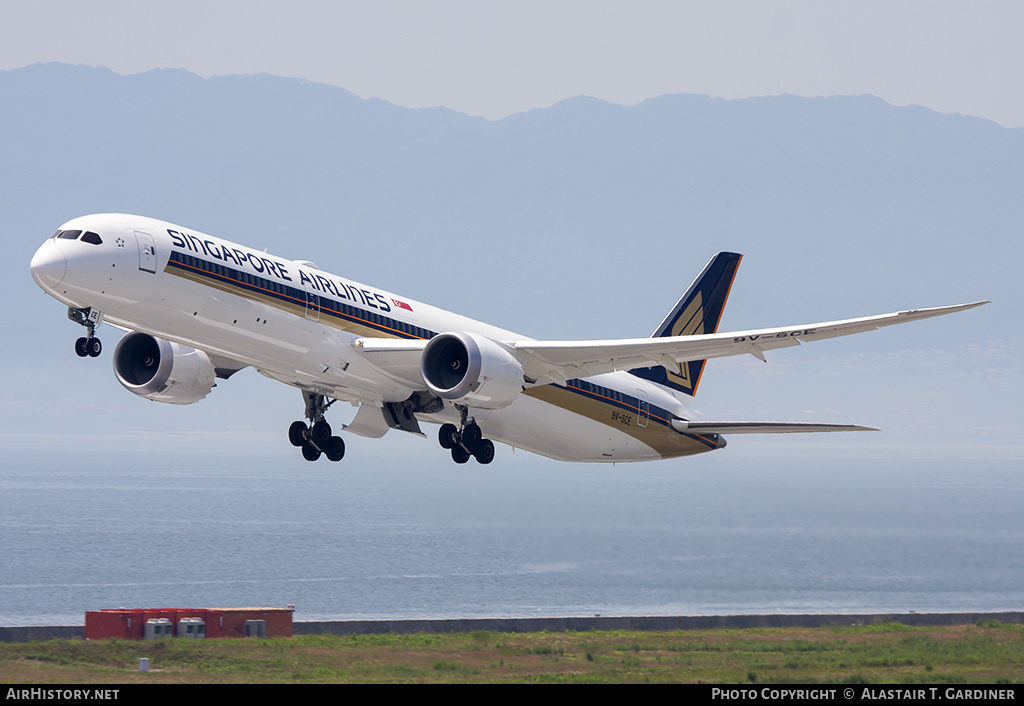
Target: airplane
(199, 308)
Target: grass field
(889, 653)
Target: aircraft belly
(545, 429)
(556, 422)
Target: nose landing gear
(90, 318)
(316, 439)
(90, 346)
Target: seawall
(28, 633)
(689, 622)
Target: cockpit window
(89, 237)
(56, 233)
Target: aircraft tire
(335, 449)
(93, 347)
(471, 436)
(484, 453)
(81, 347)
(448, 437)
(310, 452)
(459, 454)
(321, 432)
(296, 433)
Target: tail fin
(697, 312)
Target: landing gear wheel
(335, 449)
(484, 452)
(321, 432)
(315, 439)
(448, 437)
(471, 436)
(459, 454)
(297, 433)
(310, 452)
(88, 345)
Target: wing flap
(397, 357)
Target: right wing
(559, 361)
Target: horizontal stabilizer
(682, 425)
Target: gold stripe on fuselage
(657, 435)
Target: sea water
(416, 536)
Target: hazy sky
(496, 58)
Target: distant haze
(494, 59)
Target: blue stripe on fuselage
(295, 295)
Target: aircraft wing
(559, 361)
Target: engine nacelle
(163, 371)
(472, 370)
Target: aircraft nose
(48, 265)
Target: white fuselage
(297, 324)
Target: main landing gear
(466, 443)
(87, 346)
(315, 438)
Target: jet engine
(163, 371)
(471, 369)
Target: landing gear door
(147, 252)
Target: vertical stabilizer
(697, 312)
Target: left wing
(559, 361)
